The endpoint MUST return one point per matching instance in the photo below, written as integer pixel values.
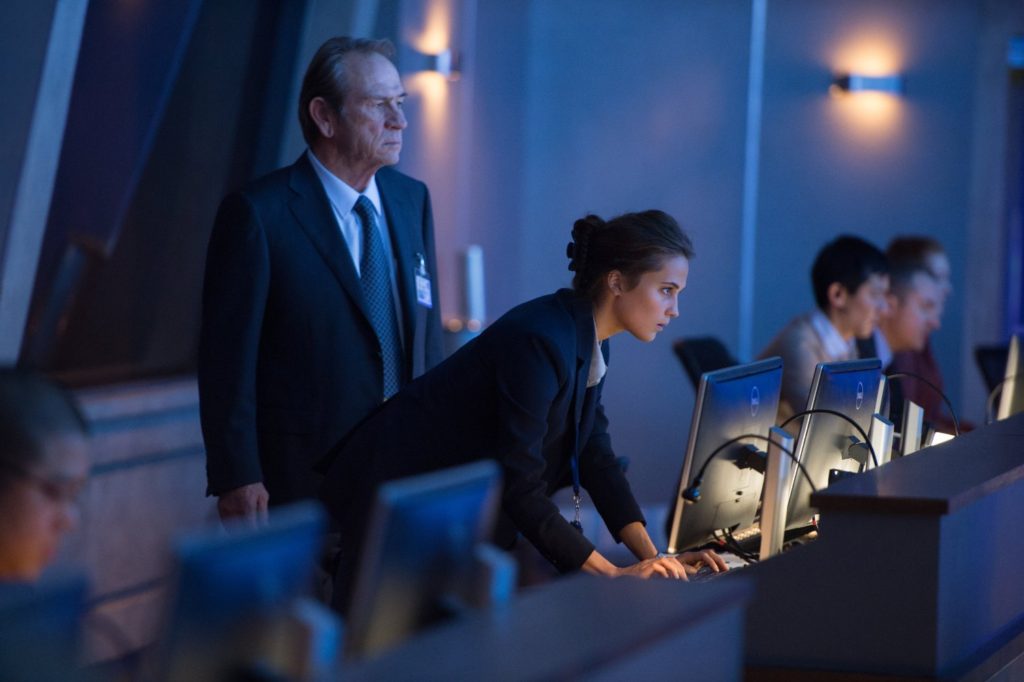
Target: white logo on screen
(755, 401)
(860, 395)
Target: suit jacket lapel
(312, 210)
(401, 214)
(583, 315)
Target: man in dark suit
(319, 300)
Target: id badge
(423, 296)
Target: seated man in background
(850, 280)
(914, 306)
(43, 466)
(920, 285)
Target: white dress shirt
(343, 198)
(598, 367)
(835, 345)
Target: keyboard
(704, 573)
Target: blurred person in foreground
(44, 463)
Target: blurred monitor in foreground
(731, 402)
(420, 561)
(827, 443)
(232, 591)
(40, 628)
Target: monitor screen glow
(730, 402)
(823, 443)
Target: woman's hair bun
(582, 230)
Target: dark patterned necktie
(380, 306)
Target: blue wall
(627, 110)
(605, 106)
(821, 174)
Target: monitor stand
(913, 428)
(881, 434)
(776, 491)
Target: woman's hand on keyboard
(664, 566)
(692, 561)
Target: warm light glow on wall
(872, 53)
(435, 37)
(430, 88)
(867, 116)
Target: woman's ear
(837, 296)
(614, 281)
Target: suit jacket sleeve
(603, 478)
(529, 382)
(234, 297)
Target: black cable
(821, 410)
(692, 494)
(949, 405)
(730, 545)
(737, 549)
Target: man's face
(915, 314)
(371, 119)
(868, 303)
(39, 507)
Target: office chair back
(702, 354)
(991, 363)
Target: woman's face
(38, 508)
(646, 309)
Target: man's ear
(322, 115)
(615, 282)
(837, 296)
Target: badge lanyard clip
(576, 490)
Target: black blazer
(517, 394)
(288, 360)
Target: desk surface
(937, 480)
(598, 619)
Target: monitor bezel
(678, 510)
(799, 488)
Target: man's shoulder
(276, 182)
(796, 326)
(791, 337)
(391, 178)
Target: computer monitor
(40, 630)
(1011, 400)
(824, 441)
(419, 562)
(231, 590)
(731, 402)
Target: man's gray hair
(325, 76)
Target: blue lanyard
(575, 462)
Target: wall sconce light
(854, 82)
(446, 63)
